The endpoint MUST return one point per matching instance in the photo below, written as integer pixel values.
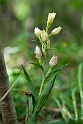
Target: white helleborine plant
(53, 61)
(41, 97)
(44, 36)
(56, 30)
(51, 17)
(38, 52)
(37, 32)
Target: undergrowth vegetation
(65, 101)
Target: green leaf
(42, 98)
(73, 93)
(38, 65)
(30, 84)
(30, 105)
(55, 70)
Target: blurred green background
(18, 18)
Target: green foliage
(80, 73)
(55, 70)
(45, 89)
(63, 122)
(21, 9)
(38, 65)
(20, 18)
(30, 84)
(42, 98)
(70, 103)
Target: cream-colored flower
(53, 61)
(51, 17)
(56, 30)
(44, 36)
(37, 32)
(38, 52)
(48, 44)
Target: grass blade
(60, 107)
(80, 69)
(73, 92)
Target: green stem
(40, 61)
(47, 28)
(50, 35)
(42, 84)
(43, 81)
(49, 70)
(40, 40)
(44, 50)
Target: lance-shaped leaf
(55, 70)
(30, 84)
(42, 98)
(30, 105)
(38, 65)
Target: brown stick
(7, 107)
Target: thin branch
(10, 89)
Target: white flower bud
(44, 36)
(38, 52)
(51, 17)
(48, 44)
(56, 30)
(53, 61)
(37, 32)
